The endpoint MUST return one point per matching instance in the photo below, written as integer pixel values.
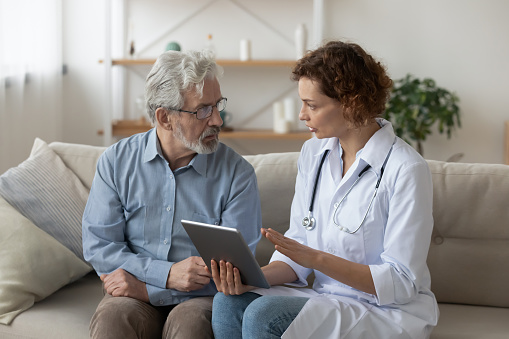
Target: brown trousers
(123, 317)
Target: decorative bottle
(301, 37)
(210, 45)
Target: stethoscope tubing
(309, 221)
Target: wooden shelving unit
(250, 63)
(125, 128)
(111, 108)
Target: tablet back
(225, 243)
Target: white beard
(198, 146)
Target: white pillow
(49, 194)
(33, 265)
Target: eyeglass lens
(206, 111)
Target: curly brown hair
(347, 73)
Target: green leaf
(416, 105)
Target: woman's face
(322, 114)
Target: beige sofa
(468, 258)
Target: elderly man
(155, 283)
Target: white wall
(462, 44)
(83, 44)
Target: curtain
(30, 76)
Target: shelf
(264, 134)
(250, 63)
(125, 128)
(507, 142)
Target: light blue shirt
(393, 240)
(132, 217)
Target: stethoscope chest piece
(308, 222)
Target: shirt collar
(330, 145)
(379, 145)
(376, 149)
(199, 163)
(153, 149)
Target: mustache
(210, 131)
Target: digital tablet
(224, 243)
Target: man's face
(200, 136)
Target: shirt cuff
(384, 284)
(164, 296)
(159, 296)
(158, 272)
(301, 272)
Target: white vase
(301, 38)
(281, 126)
(291, 115)
(245, 50)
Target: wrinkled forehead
(207, 92)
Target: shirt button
(336, 205)
(161, 302)
(165, 241)
(171, 176)
(216, 223)
(168, 208)
(331, 251)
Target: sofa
(468, 256)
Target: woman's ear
(163, 118)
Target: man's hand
(120, 283)
(188, 275)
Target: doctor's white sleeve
(403, 273)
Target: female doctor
(361, 220)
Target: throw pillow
(33, 265)
(49, 194)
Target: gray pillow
(49, 194)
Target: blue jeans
(250, 315)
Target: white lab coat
(393, 241)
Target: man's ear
(163, 118)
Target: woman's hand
(227, 278)
(301, 254)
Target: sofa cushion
(469, 251)
(33, 264)
(45, 191)
(471, 322)
(80, 159)
(64, 314)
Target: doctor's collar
(330, 145)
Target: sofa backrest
(276, 174)
(469, 252)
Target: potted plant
(416, 105)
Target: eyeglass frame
(211, 109)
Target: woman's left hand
(301, 254)
(227, 278)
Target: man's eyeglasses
(205, 111)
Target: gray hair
(175, 73)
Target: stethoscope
(309, 222)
